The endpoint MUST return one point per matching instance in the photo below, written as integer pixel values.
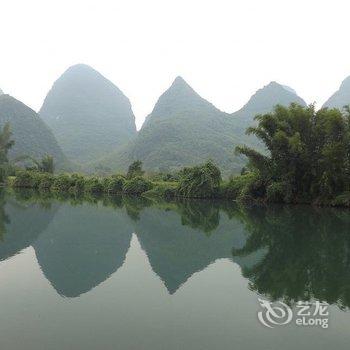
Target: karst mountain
(184, 129)
(88, 114)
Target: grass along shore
(206, 184)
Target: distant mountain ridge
(266, 98)
(184, 129)
(31, 135)
(263, 101)
(88, 114)
(93, 122)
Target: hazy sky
(226, 50)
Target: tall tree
(308, 152)
(47, 164)
(135, 169)
(5, 145)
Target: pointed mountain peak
(180, 84)
(179, 80)
(273, 85)
(80, 68)
(180, 99)
(270, 95)
(341, 97)
(83, 100)
(82, 73)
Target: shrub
(253, 189)
(24, 179)
(166, 177)
(135, 170)
(276, 192)
(201, 181)
(163, 189)
(4, 172)
(93, 185)
(342, 200)
(114, 184)
(234, 188)
(46, 181)
(137, 185)
(62, 183)
(77, 184)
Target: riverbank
(80, 184)
(247, 189)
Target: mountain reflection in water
(290, 253)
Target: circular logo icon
(274, 314)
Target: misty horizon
(226, 51)
(139, 122)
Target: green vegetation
(114, 184)
(201, 181)
(308, 160)
(6, 143)
(47, 165)
(162, 190)
(75, 183)
(135, 169)
(137, 185)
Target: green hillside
(31, 135)
(185, 129)
(88, 114)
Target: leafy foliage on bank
(76, 183)
(308, 160)
(201, 181)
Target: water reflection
(292, 253)
(308, 253)
(22, 221)
(83, 247)
(178, 243)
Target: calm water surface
(137, 274)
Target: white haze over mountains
(226, 50)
